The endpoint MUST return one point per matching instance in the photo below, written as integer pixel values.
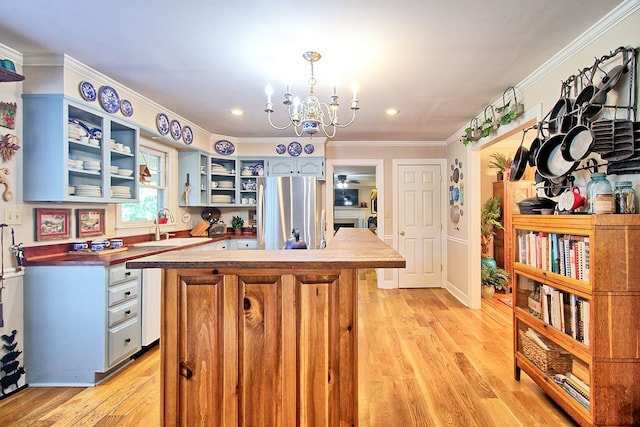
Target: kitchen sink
(178, 241)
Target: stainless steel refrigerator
(285, 204)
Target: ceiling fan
(343, 182)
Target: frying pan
(519, 163)
(611, 78)
(550, 162)
(577, 143)
(560, 119)
(587, 102)
(535, 146)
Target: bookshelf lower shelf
(561, 397)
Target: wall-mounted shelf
(10, 76)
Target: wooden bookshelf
(583, 319)
(510, 193)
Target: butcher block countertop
(350, 248)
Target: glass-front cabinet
(576, 331)
(73, 153)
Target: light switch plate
(13, 217)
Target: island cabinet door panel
(203, 361)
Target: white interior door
(419, 225)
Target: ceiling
(439, 62)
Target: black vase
(500, 175)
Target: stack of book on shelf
(575, 387)
(562, 310)
(559, 253)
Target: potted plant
(492, 279)
(502, 162)
(237, 223)
(489, 223)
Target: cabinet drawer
(123, 312)
(122, 292)
(124, 340)
(120, 273)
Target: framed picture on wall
(52, 224)
(90, 222)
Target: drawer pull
(127, 340)
(128, 273)
(185, 371)
(127, 293)
(128, 312)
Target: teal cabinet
(74, 153)
(295, 166)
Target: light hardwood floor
(424, 360)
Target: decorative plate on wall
(126, 108)
(176, 129)
(109, 99)
(88, 92)
(187, 135)
(308, 149)
(281, 149)
(294, 149)
(224, 147)
(162, 123)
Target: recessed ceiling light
(392, 112)
(237, 112)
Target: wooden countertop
(350, 248)
(132, 252)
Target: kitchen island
(264, 337)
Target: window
(152, 194)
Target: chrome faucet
(171, 220)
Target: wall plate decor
(126, 108)
(88, 92)
(90, 222)
(187, 135)
(109, 99)
(224, 147)
(162, 123)
(52, 224)
(281, 149)
(308, 149)
(176, 130)
(294, 148)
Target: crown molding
(90, 74)
(387, 144)
(11, 54)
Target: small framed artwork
(52, 224)
(90, 222)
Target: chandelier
(308, 116)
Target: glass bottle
(599, 195)
(625, 198)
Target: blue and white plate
(308, 149)
(224, 147)
(109, 99)
(95, 133)
(281, 149)
(126, 108)
(176, 129)
(187, 135)
(88, 92)
(294, 149)
(162, 123)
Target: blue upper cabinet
(74, 153)
(296, 166)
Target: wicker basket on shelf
(552, 361)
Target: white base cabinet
(81, 322)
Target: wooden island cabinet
(264, 337)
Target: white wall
(539, 92)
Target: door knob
(402, 233)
